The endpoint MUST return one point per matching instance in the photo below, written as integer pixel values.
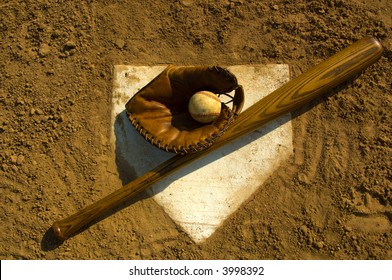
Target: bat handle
(69, 226)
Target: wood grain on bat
(309, 85)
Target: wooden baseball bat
(300, 90)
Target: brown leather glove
(159, 111)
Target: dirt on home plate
(331, 200)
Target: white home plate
(200, 196)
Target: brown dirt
(332, 200)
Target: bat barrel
(318, 80)
(300, 90)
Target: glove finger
(238, 99)
(190, 79)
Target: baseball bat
(321, 78)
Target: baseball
(204, 106)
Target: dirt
(331, 200)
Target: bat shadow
(134, 156)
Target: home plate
(200, 196)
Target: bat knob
(58, 232)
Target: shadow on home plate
(136, 156)
(201, 195)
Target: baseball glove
(159, 111)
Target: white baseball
(204, 106)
